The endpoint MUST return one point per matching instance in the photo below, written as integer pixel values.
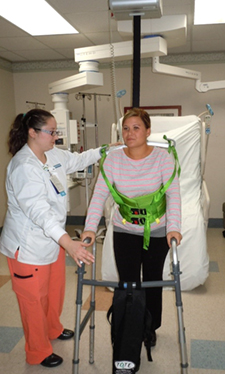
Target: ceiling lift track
(157, 67)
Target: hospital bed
(191, 136)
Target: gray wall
(7, 110)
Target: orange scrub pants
(40, 291)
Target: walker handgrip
(174, 248)
(87, 240)
(173, 240)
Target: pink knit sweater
(136, 178)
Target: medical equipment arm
(157, 67)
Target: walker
(90, 314)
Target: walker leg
(182, 341)
(181, 329)
(92, 339)
(80, 273)
(92, 320)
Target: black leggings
(131, 258)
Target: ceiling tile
(91, 22)
(178, 9)
(64, 41)
(12, 57)
(182, 49)
(209, 32)
(79, 6)
(23, 43)
(41, 55)
(210, 45)
(104, 38)
(68, 53)
(7, 29)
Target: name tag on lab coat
(57, 185)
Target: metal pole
(92, 320)
(181, 330)
(80, 275)
(136, 60)
(96, 122)
(83, 119)
(85, 147)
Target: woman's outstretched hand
(77, 250)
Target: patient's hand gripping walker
(79, 326)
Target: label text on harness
(124, 364)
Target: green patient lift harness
(142, 210)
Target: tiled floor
(204, 311)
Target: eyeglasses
(52, 133)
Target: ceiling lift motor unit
(125, 9)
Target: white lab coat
(36, 214)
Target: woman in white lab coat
(33, 236)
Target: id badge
(57, 185)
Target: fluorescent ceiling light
(209, 12)
(36, 17)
